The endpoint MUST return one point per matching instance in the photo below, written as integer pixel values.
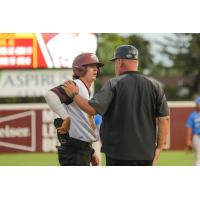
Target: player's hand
(156, 156)
(95, 160)
(65, 126)
(70, 88)
(188, 146)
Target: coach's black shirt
(129, 105)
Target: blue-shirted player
(98, 120)
(97, 145)
(193, 131)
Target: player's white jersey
(82, 124)
(81, 127)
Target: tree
(186, 59)
(108, 42)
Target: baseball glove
(62, 138)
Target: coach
(134, 109)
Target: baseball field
(167, 158)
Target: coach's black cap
(125, 52)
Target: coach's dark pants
(75, 153)
(114, 162)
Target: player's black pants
(75, 153)
(114, 162)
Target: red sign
(18, 51)
(43, 50)
(31, 129)
(18, 130)
(27, 130)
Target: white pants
(196, 145)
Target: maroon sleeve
(60, 92)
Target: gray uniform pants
(196, 146)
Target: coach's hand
(65, 126)
(70, 88)
(95, 160)
(156, 156)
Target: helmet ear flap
(79, 71)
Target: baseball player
(193, 131)
(76, 131)
(97, 144)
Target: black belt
(78, 143)
(65, 139)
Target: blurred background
(32, 63)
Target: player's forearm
(163, 130)
(84, 105)
(55, 104)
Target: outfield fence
(29, 127)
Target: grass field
(167, 158)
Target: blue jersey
(194, 122)
(98, 119)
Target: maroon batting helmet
(82, 61)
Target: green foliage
(186, 60)
(175, 93)
(97, 85)
(108, 42)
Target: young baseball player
(193, 131)
(77, 126)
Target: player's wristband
(73, 95)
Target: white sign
(24, 83)
(64, 47)
(49, 136)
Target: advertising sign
(43, 50)
(19, 51)
(23, 83)
(27, 128)
(18, 130)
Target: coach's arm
(163, 130)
